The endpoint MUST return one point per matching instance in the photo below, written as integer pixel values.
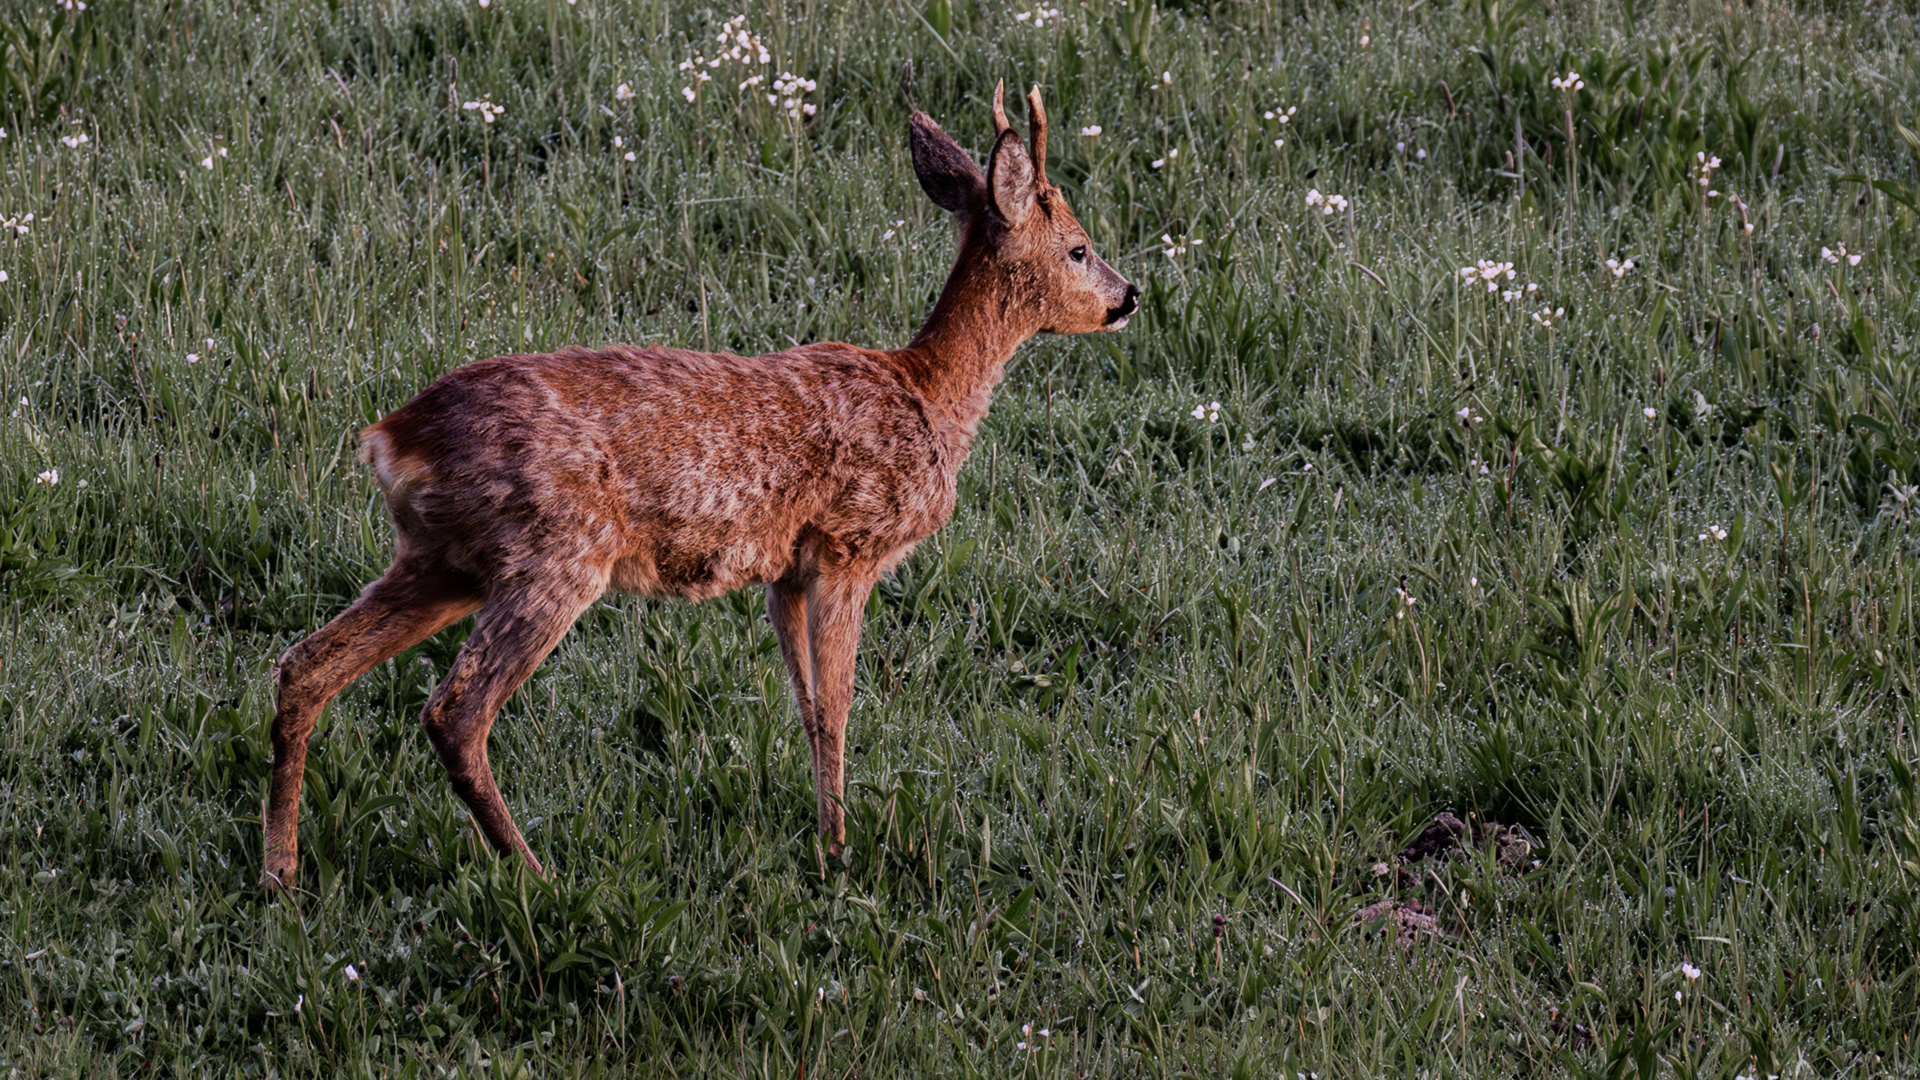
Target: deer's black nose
(1128, 305)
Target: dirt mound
(1446, 838)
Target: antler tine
(1000, 108)
(1037, 134)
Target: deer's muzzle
(1130, 303)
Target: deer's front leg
(834, 609)
(787, 609)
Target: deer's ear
(947, 174)
(1011, 178)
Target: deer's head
(1017, 236)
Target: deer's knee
(439, 726)
(300, 695)
(449, 729)
(830, 708)
(290, 671)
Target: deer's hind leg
(520, 624)
(409, 604)
(835, 606)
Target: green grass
(1159, 670)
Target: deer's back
(679, 473)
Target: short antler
(1037, 135)
(1000, 108)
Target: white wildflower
(1571, 82)
(1399, 611)
(789, 89)
(1328, 204)
(74, 142)
(51, 477)
(1091, 131)
(1650, 413)
(624, 92)
(1489, 273)
(485, 107)
(1042, 16)
(1689, 971)
(1703, 166)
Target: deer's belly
(694, 575)
(710, 539)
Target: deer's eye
(1079, 254)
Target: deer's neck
(961, 353)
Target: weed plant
(1522, 423)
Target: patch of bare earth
(1445, 839)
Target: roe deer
(525, 487)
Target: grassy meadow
(1536, 450)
